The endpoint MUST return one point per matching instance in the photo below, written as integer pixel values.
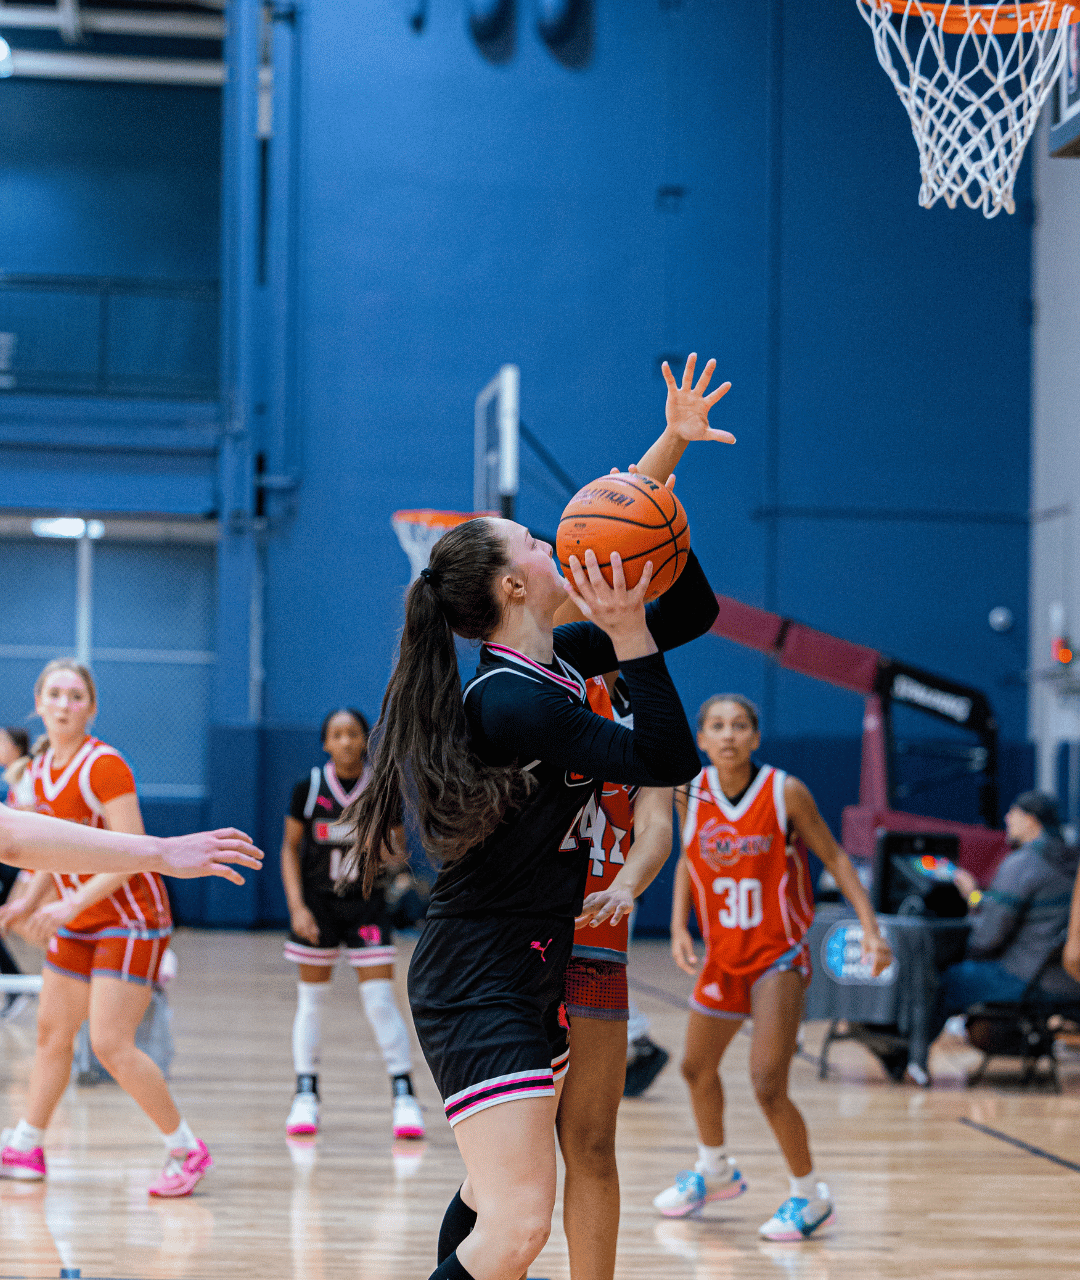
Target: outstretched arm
(687, 413)
(51, 844)
(810, 827)
(682, 945)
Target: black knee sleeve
(458, 1221)
(451, 1269)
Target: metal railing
(109, 336)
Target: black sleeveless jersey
(318, 801)
(534, 863)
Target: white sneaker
(692, 1190)
(303, 1119)
(798, 1219)
(408, 1122)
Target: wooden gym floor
(920, 1191)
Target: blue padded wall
(481, 211)
(739, 179)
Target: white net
(418, 532)
(973, 78)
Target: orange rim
(1005, 18)
(438, 519)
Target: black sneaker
(643, 1068)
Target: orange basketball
(636, 517)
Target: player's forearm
(643, 864)
(849, 884)
(652, 841)
(40, 843)
(662, 456)
(680, 898)
(290, 877)
(96, 889)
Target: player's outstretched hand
(687, 408)
(610, 905)
(682, 950)
(207, 853)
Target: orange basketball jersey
(95, 775)
(609, 829)
(752, 892)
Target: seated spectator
(15, 763)
(1019, 920)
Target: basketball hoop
(418, 532)
(973, 78)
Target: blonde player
(752, 894)
(104, 938)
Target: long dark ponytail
(420, 755)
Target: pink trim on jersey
(571, 686)
(338, 791)
(701, 902)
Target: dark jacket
(1025, 912)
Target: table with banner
(890, 1014)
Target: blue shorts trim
(67, 973)
(141, 935)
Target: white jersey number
(335, 866)
(741, 907)
(593, 826)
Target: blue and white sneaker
(798, 1218)
(692, 1190)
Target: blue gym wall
(736, 179)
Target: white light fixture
(66, 527)
(7, 62)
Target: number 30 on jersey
(602, 834)
(740, 902)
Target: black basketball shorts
(360, 925)
(486, 997)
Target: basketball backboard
(1065, 103)
(497, 423)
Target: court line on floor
(1019, 1142)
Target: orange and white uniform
(752, 891)
(124, 935)
(596, 976)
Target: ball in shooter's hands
(633, 515)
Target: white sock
(24, 1137)
(711, 1160)
(806, 1187)
(307, 1026)
(389, 1026)
(182, 1140)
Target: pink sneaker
(182, 1171)
(28, 1166)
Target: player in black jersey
(497, 782)
(323, 921)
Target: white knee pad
(307, 1026)
(389, 1026)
